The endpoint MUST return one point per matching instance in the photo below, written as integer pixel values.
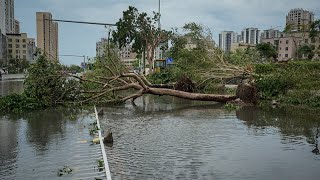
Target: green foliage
(294, 83)
(18, 103)
(100, 164)
(46, 83)
(267, 50)
(243, 57)
(75, 69)
(314, 29)
(189, 60)
(140, 30)
(306, 50)
(165, 76)
(273, 86)
(264, 68)
(231, 107)
(17, 65)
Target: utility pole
(159, 11)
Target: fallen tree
(141, 86)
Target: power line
(82, 22)
(72, 55)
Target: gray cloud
(216, 14)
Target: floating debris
(94, 128)
(64, 170)
(100, 165)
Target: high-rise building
(226, 38)
(3, 49)
(270, 33)
(31, 50)
(251, 35)
(8, 25)
(47, 35)
(9, 16)
(299, 19)
(101, 47)
(16, 27)
(3, 17)
(17, 46)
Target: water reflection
(31, 140)
(293, 123)
(170, 138)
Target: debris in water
(64, 170)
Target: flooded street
(188, 140)
(167, 138)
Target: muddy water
(168, 138)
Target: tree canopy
(267, 50)
(140, 30)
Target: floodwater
(168, 138)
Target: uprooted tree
(205, 62)
(106, 88)
(199, 63)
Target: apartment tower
(47, 35)
(9, 16)
(299, 19)
(251, 35)
(226, 38)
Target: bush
(44, 86)
(18, 103)
(46, 82)
(274, 85)
(295, 82)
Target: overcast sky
(218, 15)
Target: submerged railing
(105, 160)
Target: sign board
(169, 60)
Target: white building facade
(251, 36)
(226, 38)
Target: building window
(17, 45)
(279, 55)
(9, 40)
(24, 40)
(24, 46)
(17, 40)
(24, 51)
(287, 48)
(287, 41)
(24, 57)
(280, 48)
(9, 45)
(17, 51)
(286, 55)
(10, 51)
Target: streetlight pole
(159, 23)
(83, 56)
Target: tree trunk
(191, 96)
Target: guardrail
(105, 160)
